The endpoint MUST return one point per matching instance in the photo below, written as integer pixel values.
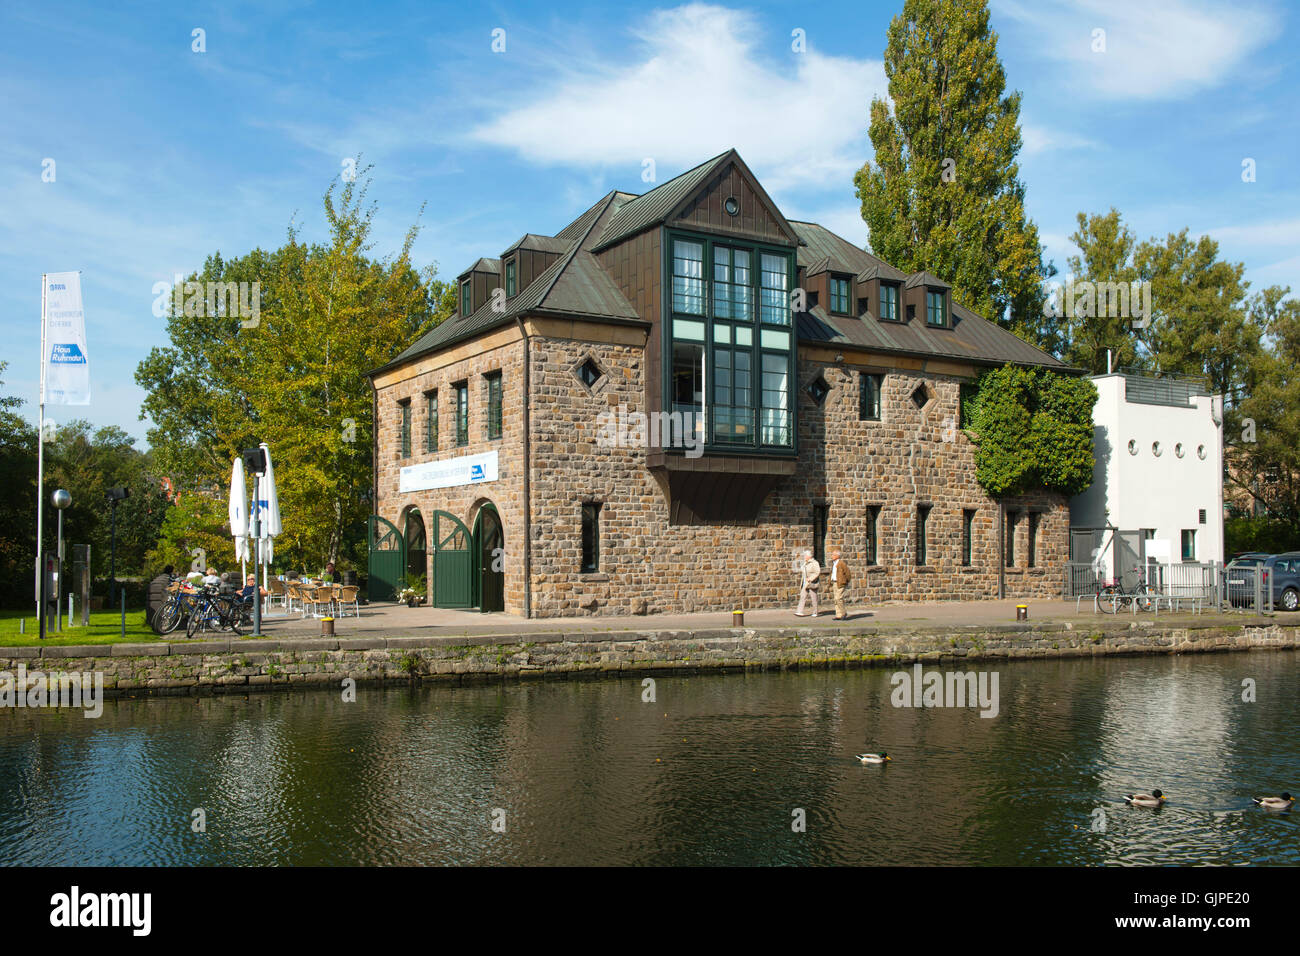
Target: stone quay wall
(240, 666)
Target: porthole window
(732, 206)
(1156, 449)
(1200, 452)
(1132, 447)
(1178, 449)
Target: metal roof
(533, 241)
(653, 207)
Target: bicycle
(1114, 597)
(175, 609)
(213, 609)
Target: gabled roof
(881, 270)
(530, 240)
(927, 279)
(483, 265)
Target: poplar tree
(943, 191)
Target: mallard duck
(874, 758)
(1276, 803)
(1153, 799)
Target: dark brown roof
(653, 207)
(539, 243)
(925, 278)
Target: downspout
(1002, 550)
(528, 499)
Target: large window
(406, 428)
(840, 296)
(462, 413)
(889, 302)
(733, 289)
(431, 419)
(494, 405)
(869, 387)
(590, 537)
(934, 311)
(688, 277)
(731, 363)
(774, 293)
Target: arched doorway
(489, 551)
(387, 559)
(453, 562)
(416, 546)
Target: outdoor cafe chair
(347, 597)
(277, 592)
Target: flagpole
(40, 480)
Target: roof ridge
(565, 259)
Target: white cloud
(699, 87)
(1279, 232)
(1154, 49)
(1042, 139)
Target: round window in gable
(1132, 447)
(1200, 452)
(732, 205)
(1156, 449)
(1178, 450)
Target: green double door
(468, 567)
(387, 562)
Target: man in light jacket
(809, 573)
(840, 578)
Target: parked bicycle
(214, 610)
(1115, 597)
(175, 609)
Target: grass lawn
(105, 628)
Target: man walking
(840, 578)
(809, 572)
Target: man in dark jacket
(157, 596)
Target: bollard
(22, 625)
(70, 624)
(737, 618)
(1022, 612)
(327, 627)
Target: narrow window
(462, 414)
(406, 428)
(774, 292)
(688, 276)
(934, 311)
(1011, 538)
(922, 519)
(465, 298)
(775, 409)
(733, 293)
(872, 551)
(1189, 545)
(510, 279)
(840, 296)
(869, 397)
(688, 387)
(590, 537)
(889, 302)
(819, 533)
(967, 536)
(494, 405)
(1031, 546)
(431, 418)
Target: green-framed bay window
(840, 296)
(729, 342)
(934, 309)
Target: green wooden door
(489, 545)
(453, 564)
(387, 560)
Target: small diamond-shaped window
(818, 389)
(590, 373)
(921, 395)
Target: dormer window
(466, 300)
(889, 302)
(840, 296)
(936, 309)
(510, 279)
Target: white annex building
(1157, 488)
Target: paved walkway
(394, 620)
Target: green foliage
(195, 523)
(297, 380)
(18, 503)
(1259, 533)
(1033, 429)
(943, 191)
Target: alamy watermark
(212, 299)
(620, 428)
(61, 689)
(1085, 299)
(951, 689)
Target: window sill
(968, 569)
(593, 576)
(873, 569)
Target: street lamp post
(114, 495)
(60, 499)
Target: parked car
(1281, 571)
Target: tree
(1105, 256)
(297, 378)
(17, 504)
(1033, 431)
(943, 193)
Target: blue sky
(164, 155)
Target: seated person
(250, 585)
(332, 576)
(212, 579)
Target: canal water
(718, 769)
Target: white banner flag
(65, 369)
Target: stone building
(655, 409)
